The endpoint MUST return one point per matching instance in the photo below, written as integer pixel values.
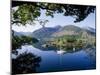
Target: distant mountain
(22, 33)
(45, 32)
(68, 30)
(71, 28)
(26, 33)
(17, 33)
(58, 31)
(90, 29)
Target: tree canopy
(28, 12)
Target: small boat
(73, 49)
(60, 52)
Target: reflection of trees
(18, 41)
(25, 63)
(91, 51)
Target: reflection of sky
(51, 61)
(58, 19)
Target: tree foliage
(25, 63)
(28, 12)
(18, 41)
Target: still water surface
(52, 61)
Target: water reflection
(53, 60)
(91, 53)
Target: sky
(58, 19)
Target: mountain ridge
(57, 31)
